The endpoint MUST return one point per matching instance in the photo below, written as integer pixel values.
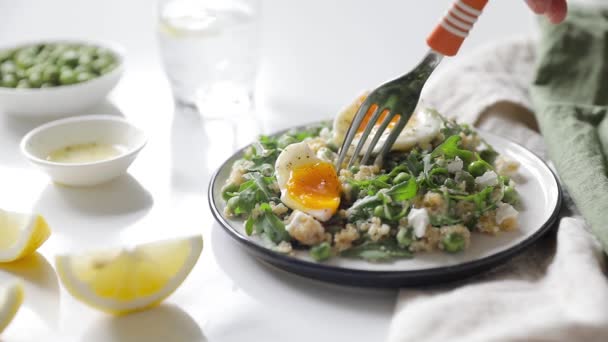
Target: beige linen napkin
(556, 290)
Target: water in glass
(209, 49)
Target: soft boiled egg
(423, 126)
(307, 183)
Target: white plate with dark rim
(541, 199)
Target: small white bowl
(101, 129)
(61, 100)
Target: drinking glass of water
(210, 53)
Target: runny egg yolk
(315, 186)
(379, 121)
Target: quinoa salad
(440, 184)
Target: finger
(539, 6)
(557, 11)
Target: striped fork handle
(449, 34)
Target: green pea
(28, 50)
(52, 59)
(379, 211)
(453, 243)
(88, 50)
(488, 155)
(50, 74)
(85, 59)
(83, 68)
(69, 58)
(103, 52)
(35, 79)
(42, 57)
(9, 81)
(23, 83)
(25, 61)
(404, 237)
(108, 69)
(46, 49)
(57, 51)
(67, 77)
(6, 55)
(401, 177)
(477, 168)
(63, 68)
(504, 180)
(34, 69)
(8, 67)
(20, 73)
(321, 252)
(100, 64)
(510, 195)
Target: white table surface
(316, 56)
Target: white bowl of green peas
(57, 78)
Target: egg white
(423, 126)
(290, 158)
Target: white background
(316, 56)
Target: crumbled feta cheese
(278, 209)
(305, 228)
(284, 247)
(455, 165)
(326, 154)
(419, 220)
(506, 166)
(489, 178)
(505, 211)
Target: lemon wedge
(123, 280)
(21, 234)
(11, 298)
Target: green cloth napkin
(570, 95)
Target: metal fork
(398, 98)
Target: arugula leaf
(253, 191)
(264, 151)
(444, 220)
(451, 127)
(397, 170)
(261, 184)
(363, 208)
(449, 148)
(249, 226)
(229, 191)
(479, 198)
(403, 191)
(414, 162)
(377, 251)
(269, 225)
(371, 186)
